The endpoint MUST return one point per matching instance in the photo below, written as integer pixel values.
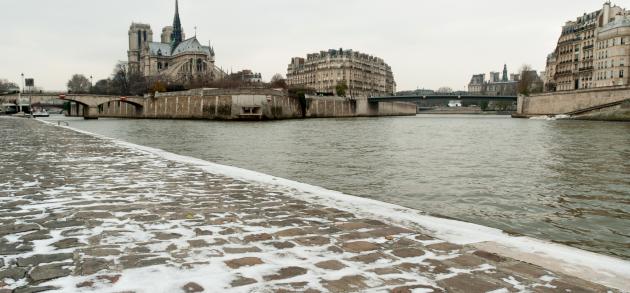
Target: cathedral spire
(177, 35)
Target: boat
(41, 113)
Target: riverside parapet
(240, 104)
(603, 103)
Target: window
(159, 65)
(621, 73)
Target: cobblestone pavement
(80, 213)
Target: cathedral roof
(191, 45)
(157, 49)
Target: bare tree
(8, 87)
(205, 79)
(278, 81)
(530, 82)
(229, 84)
(79, 84)
(137, 84)
(157, 84)
(103, 87)
(277, 77)
(120, 80)
(128, 82)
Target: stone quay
(609, 103)
(84, 213)
(220, 104)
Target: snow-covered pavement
(79, 213)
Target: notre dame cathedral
(174, 57)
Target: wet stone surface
(84, 213)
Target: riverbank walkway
(80, 213)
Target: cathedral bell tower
(177, 35)
(140, 35)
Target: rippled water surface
(565, 181)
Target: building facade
(174, 57)
(477, 84)
(550, 72)
(592, 52)
(364, 75)
(246, 76)
(499, 84)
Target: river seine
(564, 181)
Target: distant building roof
(617, 23)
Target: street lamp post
(91, 84)
(30, 104)
(22, 91)
(17, 103)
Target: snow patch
(550, 117)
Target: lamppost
(91, 84)
(19, 102)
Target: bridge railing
(439, 96)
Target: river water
(564, 181)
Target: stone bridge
(216, 104)
(443, 97)
(87, 105)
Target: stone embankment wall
(388, 109)
(209, 104)
(565, 102)
(616, 113)
(326, 107)
(255, 104)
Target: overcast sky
(428, 44)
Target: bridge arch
(117, 104)
(90, 106)
(80, 108)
